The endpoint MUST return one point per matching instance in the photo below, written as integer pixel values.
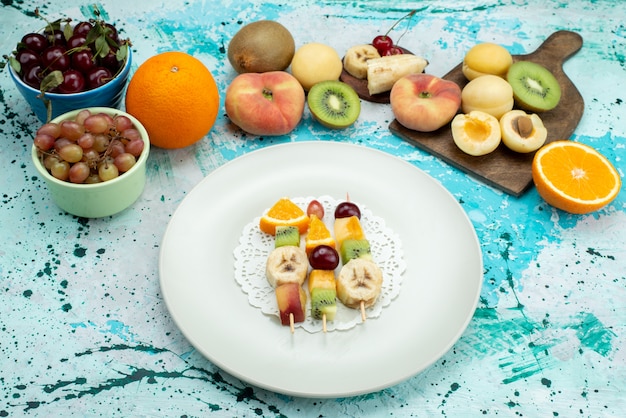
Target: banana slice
(355, 60)
(383, 72)
(286, 264)
(360, 280)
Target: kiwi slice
(355, 248)
(534, 87)
(287, 235)
(334, 104)
(323, 302)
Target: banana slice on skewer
(286, 264)
(359, 283)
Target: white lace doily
(255, 246)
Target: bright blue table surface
(84, 330)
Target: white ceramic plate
(439, 293)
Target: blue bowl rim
(125, 70)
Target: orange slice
(574, 177)
(318, 234)
(284, 212)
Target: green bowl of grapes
(92, 160)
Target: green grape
(60, 170)
(107, 170)
(72, 153)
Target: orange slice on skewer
(318, 234)
(284, 212)
(574, 177)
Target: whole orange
(175, 97)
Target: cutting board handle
(562, 44)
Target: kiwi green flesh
(334, 104)
(286, 235)
(355, 248)
(534, 87)
(323, 302)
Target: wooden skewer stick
(324, 322)
(363, 315)
(291, 321)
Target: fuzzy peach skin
(424, 102)
(270, 103)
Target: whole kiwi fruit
(261, 46)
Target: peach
(424, 102)
(270, 103)
(291, 301)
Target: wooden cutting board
(504, 169)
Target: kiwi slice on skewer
(334, 104)
(323, 302)
(355, 248)
(287, 235)
(534, 87)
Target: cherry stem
(410, 14)
(407, 27)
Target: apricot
(488, 93)
(476, 133)
(315, 62)
(486, 58)
(522, 132)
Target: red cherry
(110, 61)
(111, 32)
(76, 41)
(98, 76)
(83, 61)
(56, 37)
(73, 82)
(27, 58)
(382, 43)
(82, 29)
(55, 58)
(35, 41)
(33, 76)
(394, 50)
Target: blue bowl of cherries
(69, 66)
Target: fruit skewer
(286, 270)
(360, 280)
(323, 259)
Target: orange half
(284, 212)
(574, 177)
